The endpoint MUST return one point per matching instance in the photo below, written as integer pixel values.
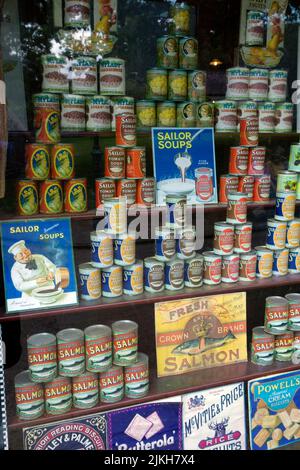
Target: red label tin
(145, 191)
(249, 132)
(114, 166)
(228, 184)
(238, 162)
(136, 163)
(126, 130)
(104, 189)
(257, 157)
(262, 188)
(127, 188)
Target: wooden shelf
(106, 304)
(167, 387)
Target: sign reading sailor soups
(155, 426)
(87, 433)
(200, 333)
(38, 264)
(274, 411)
(215, 419)
(184, 163)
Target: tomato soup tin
(133, 279)
(276, 235)
(37, 161)
(248, 263)
(262, 347)
(262, 188)
(293, 234)
(112, 281)
(98, 348)
(112, 77)
(137, 377)
(127, 188)
(85, 390)
(27, 197)
(124, 249)
(193, 272)
(62, 161)
(42, 357)
(228, 184)
(154, 275)
(294, 311)
(223, 238)
(230, 268)
(136, 163)
(111, 385)
(115, 212)
(126, 130)
(105, 189)
(284, 347)
(249, 132)
(71, 352)
(76, 195)
(51, 197)
(237, 208)
(243, 238)
(125, 342)
(101, 249)
(280, 263)
(58, 396)
(265, 259)
(89, 282)
(238, 162)
(256, 163)
(212, 269)
(114, 162)
(285, 206)
(29, 397)
(246, 185)
(294, 261)
(145, 191)
(276, 315)
(174, 275)
(121, 105)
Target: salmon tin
(212, 268)
(294, 311)
(246, 185)
(276, 235)
(58, 396)
(248, 263)
(278, 86)
(85, 390)
(249, 132)
(276, 315)
(165, 244)
(112, 77)
(262, 347)
(174, 275)
(228, 184)
(51, 197)
(112, 281)
(101, 249)
(98, 116)
(204, 184)
(55, 74)
(237, 83)
(286, 181)
(29, 395)
(284, 117)
(243, 238)
(176, 209)
(238, 162)
(125, 342)
(84, 76)
(37, 161)
(294, 261)
(296, 343)
(293, 234)
(166, 114)
(136, 163)
(223, 238)
(115, 215)
(157, 84)
(226, 116)
(137, 377)
(256, 163)
(205, 114)
(98, 348)
(294, 160)
(73, 113)
(89, 282)
(285, 206)
(230, 268)
(77, 13)
(27, 197)
(180, 18)
(188, 53)
(186, 242)
(104, 189)
(71, 352)
(133, 279)
(197, 86)
(127, 188)
(62, 161)
(145, 191)
(145, 114)
(237, 208)
(266, 116)
(281, 261)
(154, 275)
(259, 84)
(126, 130)
(42, 357)
(177, 85)
(124, 249)
(262, 188)
(193, 272)
(186, 116)
(167, 52)
(264, 265)
(76, 195)
(255, 28)
(284, 347)
(111, 385)
(121, 105)
(246, 110)
(114, 162)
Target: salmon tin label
(85, 390)
(98, 353)
(274, 404)
(155, 427)
(215, 419)
(125, 347)
(137, 378)
(29, 401)
(71, 357)
(112, 385)
(200, 333)
(86, 433)
(58, 396)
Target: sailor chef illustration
(30, 271)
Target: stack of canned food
(75, 368)
(279, 338)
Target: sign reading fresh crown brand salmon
(200, 333)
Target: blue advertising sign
(38, 264)
(184, 164)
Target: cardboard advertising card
(215, 419)
(38, 264)
(184, 163)
(200, 333)
(274, 411)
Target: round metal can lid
(153, 261)
(24, 378)
(96, 331)
(100, 235)
(124, 326)
(211, 254)
(113, 368)
(141, 359)
(263, 249)
(259, 332)
(59, 379)
(293, 298)
(87, 268)
(41, 339)
(70, 334)
(276, 301)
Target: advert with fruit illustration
(200, 333)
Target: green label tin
(284, 347)
(276, 315)
(157, 84)
(125, 342)
(29, 397)
(262, 347)
(186, 116)
(188, 53)
(58, 396)
(112, 385)
(137, 377)
(167, 52)
(287, 181)
(98, 348)
(177, 85)
(294, 161)
(85, 390)
(197, 86)
(146, 114)
(166, 114)
(42, 357)
(71, 352)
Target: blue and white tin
(176, 210)
(165, 244)
(154, 275)
(124, 249)
(193, 272)
(174, 275)
(276, 234)
(112, 281)
(280, 262)
(186, 243)
(89, 282)
(294, 261)
(133, 279)
(101, 249)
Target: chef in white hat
(30, 271)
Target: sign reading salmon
(200, 333)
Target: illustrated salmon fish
(194, 346)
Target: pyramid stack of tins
(78, 369)
(255, 93)
(279, 338)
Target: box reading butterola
(200, 333)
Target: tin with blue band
(124, 249)
(101, 249)
(276, 235)
(285, 206)
(89, 282)
(280, 262)
(186, 243)
(154, 275)
(176, 210)
(165, 244)
(174, 275)
(112, 281)
(133, 279)
(193, 272)
(294, 261)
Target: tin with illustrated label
(121, 105)
(114, 162)
(85, 390)
(136, 163)
(243, 238)
(46, 111)
(265, 259)
(177, 85)
(246, 185)
(262, 188)
(266, 117)
(27, 197)
(58, 396)
(71, 352)
(145, 191)
(29, 396)
(51, 197)
(166, 114)
(249, 132)
(259, 84)
(276, 235)
(294, 311)
(284, 347)
(146, 115)
(204, 184)
(212, 268)
(294, 160)
(294, 261)
(133, 279)
(223, 238)
(157, 84)
(230, 268)
(180, 18)
(42, 357)
(193, 272)
(105, 189)
(174, 275)
(112, 281)
(286, 181)
(101, 249)
(62, 161)
(84, 76)
(237, 208)
(262, 347)
(112, 76)
(205, 114)
(77, 13)
(228, 184)
(186, 116)
(293, 234)
(255, 28)
(127, 188)
(280, 263)
(98, 114)
(126, 130)
(55, 74)
(284, 117)
(246, 110)
(154, 275)
(278, 85)
(238, 162)
(37, 161)
(124, 249)
(256, 162)
(176, 210)
(285, 206)
(98, 348)
(167, 52)
(137, 377)
(248, 263)
(188, 53)
(115, 212)
(237, 83)
(73, 113)
(226, 116)
(76, 195)
(89, 282)
(197, 86)
(165, 244)
(111, 385)
(125, 342)
(186, 242)
(276, 315)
